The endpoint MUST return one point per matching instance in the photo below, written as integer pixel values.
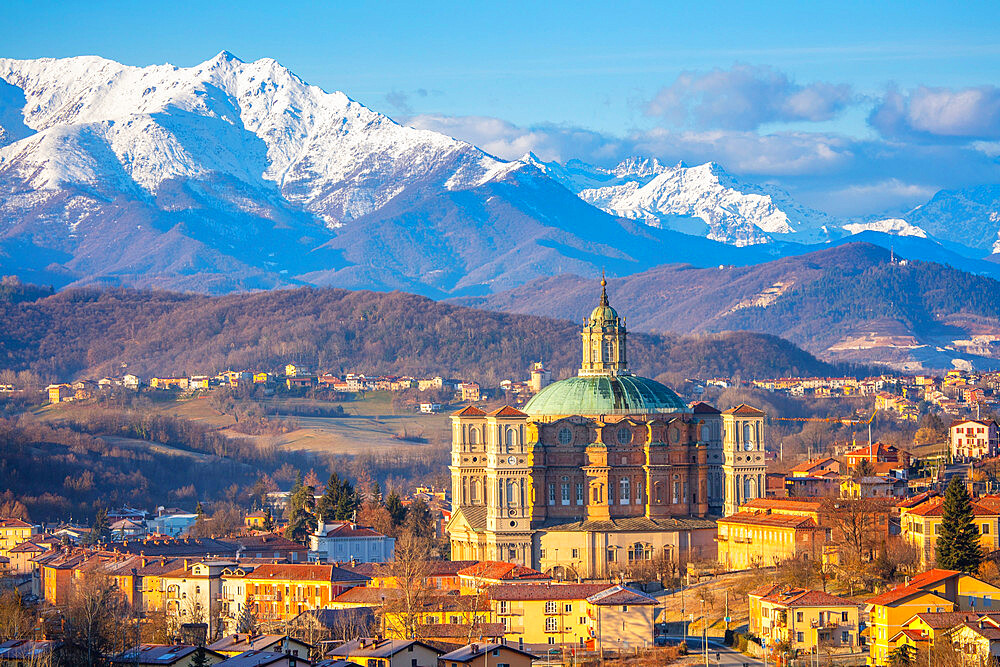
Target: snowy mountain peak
(638, 167)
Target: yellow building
(804, 619)
(169, 383)
(924, 629)
(594, 616)
(761, 539)
(12, 533)
(60, 392)
(920, 525)
(931, 591)
(284, 590)
(600, 470)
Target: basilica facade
(600, 470)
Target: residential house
(300, 381)
(875, 486)
(439, 575)
(169, 383)
(921, 523)
(283, 591)
(932, 591)
(236, 644)
(486, 654)
(878, 452)
(265, 659)
(819, 466)
(759, 539)
(194, 591)
(293, 370)
(468, 392)
(374, 652)
(59, 393)
(594, 616)
(974, 439)
(29, 652)
(269, 545)
(200, 382)
(172, 525)
(805, 619)
(21, 555)
(343, 541)
(978, 640)
(255, 520)
(168, 655)
(14, 532)
(484, 574)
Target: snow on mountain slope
(731, 211)
(894, 226)
(256, 122)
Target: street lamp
(704, 631)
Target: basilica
(600, 470)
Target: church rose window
(565, 436)
(624, 436)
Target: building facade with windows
(600, 470)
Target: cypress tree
(958, 542)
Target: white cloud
(928, 114)
(509, 141)
(745, 97)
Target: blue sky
(854, 106)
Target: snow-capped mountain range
(234, 175)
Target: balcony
(829, 623)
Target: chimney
(474, 648)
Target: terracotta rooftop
(743, 410)
(469, 411)
(770, 520)
(545, 591)
(507, 411)
(496, 571)
(789, 596)
(702, 408)
(304, 572)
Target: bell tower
(603, 340)
(743, 450)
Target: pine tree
(397, 511)
(200, 658)
(101, 531)
(958, 542)
(247, 620)
(301, 514)
(199, 510)
(268, 519)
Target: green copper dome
(605, 395)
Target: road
(728, 657)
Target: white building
(173, 525)
(343, 541)
(973, 439)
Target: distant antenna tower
(892, 254)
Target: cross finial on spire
(604, 291)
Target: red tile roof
(743, 410)
(13, 523)
(771, 520)
(496, 571)
(932, 577)
(704, 408)
(304, 572)
(545, 591)
(789, 596)
(507, 411)
(469, 411)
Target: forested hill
(93, 333)
(846, 302)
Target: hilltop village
(601, 517)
